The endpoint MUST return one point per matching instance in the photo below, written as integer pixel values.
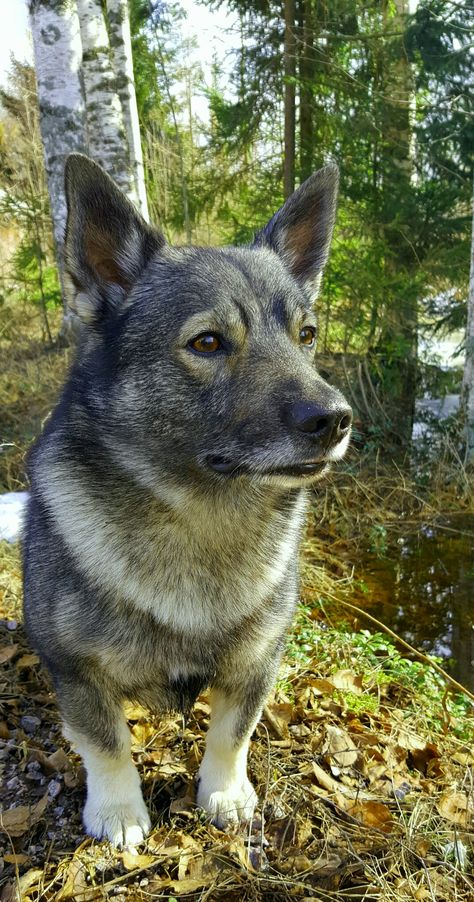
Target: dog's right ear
(108, 244)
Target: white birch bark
(121, 46)
(105, 124)
(58, 60)
(468, 379)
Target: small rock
(33, 767)
(54, 788)
(12, 625)
(30, 723)
(14, 783)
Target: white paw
(230, 805)
(123, 824)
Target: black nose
(329, 426)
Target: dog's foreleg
(224, 790)
(114, 808)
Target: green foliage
(374, 657)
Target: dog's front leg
(95, 725)
(224, 790)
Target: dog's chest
(190, 574)
(220, 573)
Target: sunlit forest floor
(363, 760)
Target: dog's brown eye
(207, 343)
(307, 336)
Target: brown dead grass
(31, 377)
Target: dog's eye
(206, 343)
(307, 336)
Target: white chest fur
(189, 570)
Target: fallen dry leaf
(132, 860)
(320, 686)
(238, 850)
(143, 734)
(372, 814)
(7, 652)
(16, 821)
(28, 880)
(279, 716)
(27, 661)
(76, 881)
(135, 712)
(189, 884)
(59, 761)
(75, 778)
(409, 740)
(345, 679)
(339, 749)
(16, 858)
(186, 804)
(456, 807)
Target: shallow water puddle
(422, 587)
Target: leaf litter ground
(361, 797)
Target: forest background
(385, 93)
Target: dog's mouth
(228, 467)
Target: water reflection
(423, 588)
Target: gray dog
(168, 489)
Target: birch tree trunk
(58, 59)
(121, 46)
(106, 134)
(307, 25)
(468, 380)
(398, 342)
(289, 67)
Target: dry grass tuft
(31, 377)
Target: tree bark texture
(106, 133)
(58, 58)
(289, 67)
(468, 379)
(307, 74)
(121, 47)
(399, 336)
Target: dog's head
(201, 361)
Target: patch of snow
(12, 511)
(440, 408)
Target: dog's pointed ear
(108, 244)
(301, 230)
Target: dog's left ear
(300, 232)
